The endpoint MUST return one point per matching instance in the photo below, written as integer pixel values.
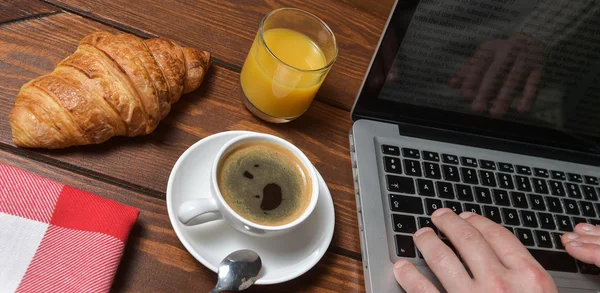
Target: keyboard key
(556, 188)
(451, 173)
(537, 202)
(432, 170)
(400, 184)
(529, 219)
(487, 178)
(483, 195)
(445, 190)
(547, 221)
(426, 222)
(573, 190)
(575, 177)
(558, 175)
(506, 167)
(392, 165)
(454, 206)
(425, 187)
(473, 208)
(432, 205)
(519, 200)
(557, 241)
(464, 192)
(523, 183)
(588, 269)
(577, 220)
(492, 213)
(589, 192)
(591, 180)
(523, 170)
(404, 224)
(595, 222)
(405, 247)
(501, 197)
(564, 223)
(406, 204)
(390, 150)
(511, 229)
(571, 207)
(469, 175)
(539, 185)
(485, 164)
(587, 209)
(450, 159)
(538, 172)
(411, 153)
(543, 239)
(431, 156)
(505, 181)
(554, 204)
(510, 217)
(554, 260)
(470, 162)
(525, 236)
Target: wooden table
(36, 35)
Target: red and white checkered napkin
(55, 238)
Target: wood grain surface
(12, 10)
(154, 259)
(29, 49)
(227, 28)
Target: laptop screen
(516, 69)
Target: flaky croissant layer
(113, 85)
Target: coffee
(264, 183)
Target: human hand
(496, 258)
(584, 243)
(501, 68)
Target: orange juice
(283, 86)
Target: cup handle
(196, 207)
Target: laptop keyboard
(535, 204)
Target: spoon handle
(215, 290)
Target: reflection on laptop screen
(533, 62)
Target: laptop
(418, 144)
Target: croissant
(113, 85)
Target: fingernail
(400, 264)
(571, 236)
(574, 243)
(440, 212)
(422, 230)
(587, 227)
(466, 215)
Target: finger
(474, 73)
(509, 89)
(442, 261)
(585, 252)
(411, 279)
(587, 229)
(505, 245)
(494, 77)
(471, 245)
(530, 91)
(569, 237)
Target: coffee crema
(264, 183)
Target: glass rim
(262, 40)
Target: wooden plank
(32, 48)
(12, 10)
(227, 28)
(155, 260)
(379, 8)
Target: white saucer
(284, 258)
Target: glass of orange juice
(289, 59)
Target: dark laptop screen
(518, 69)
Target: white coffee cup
(192, 209)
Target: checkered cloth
(55, 238)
